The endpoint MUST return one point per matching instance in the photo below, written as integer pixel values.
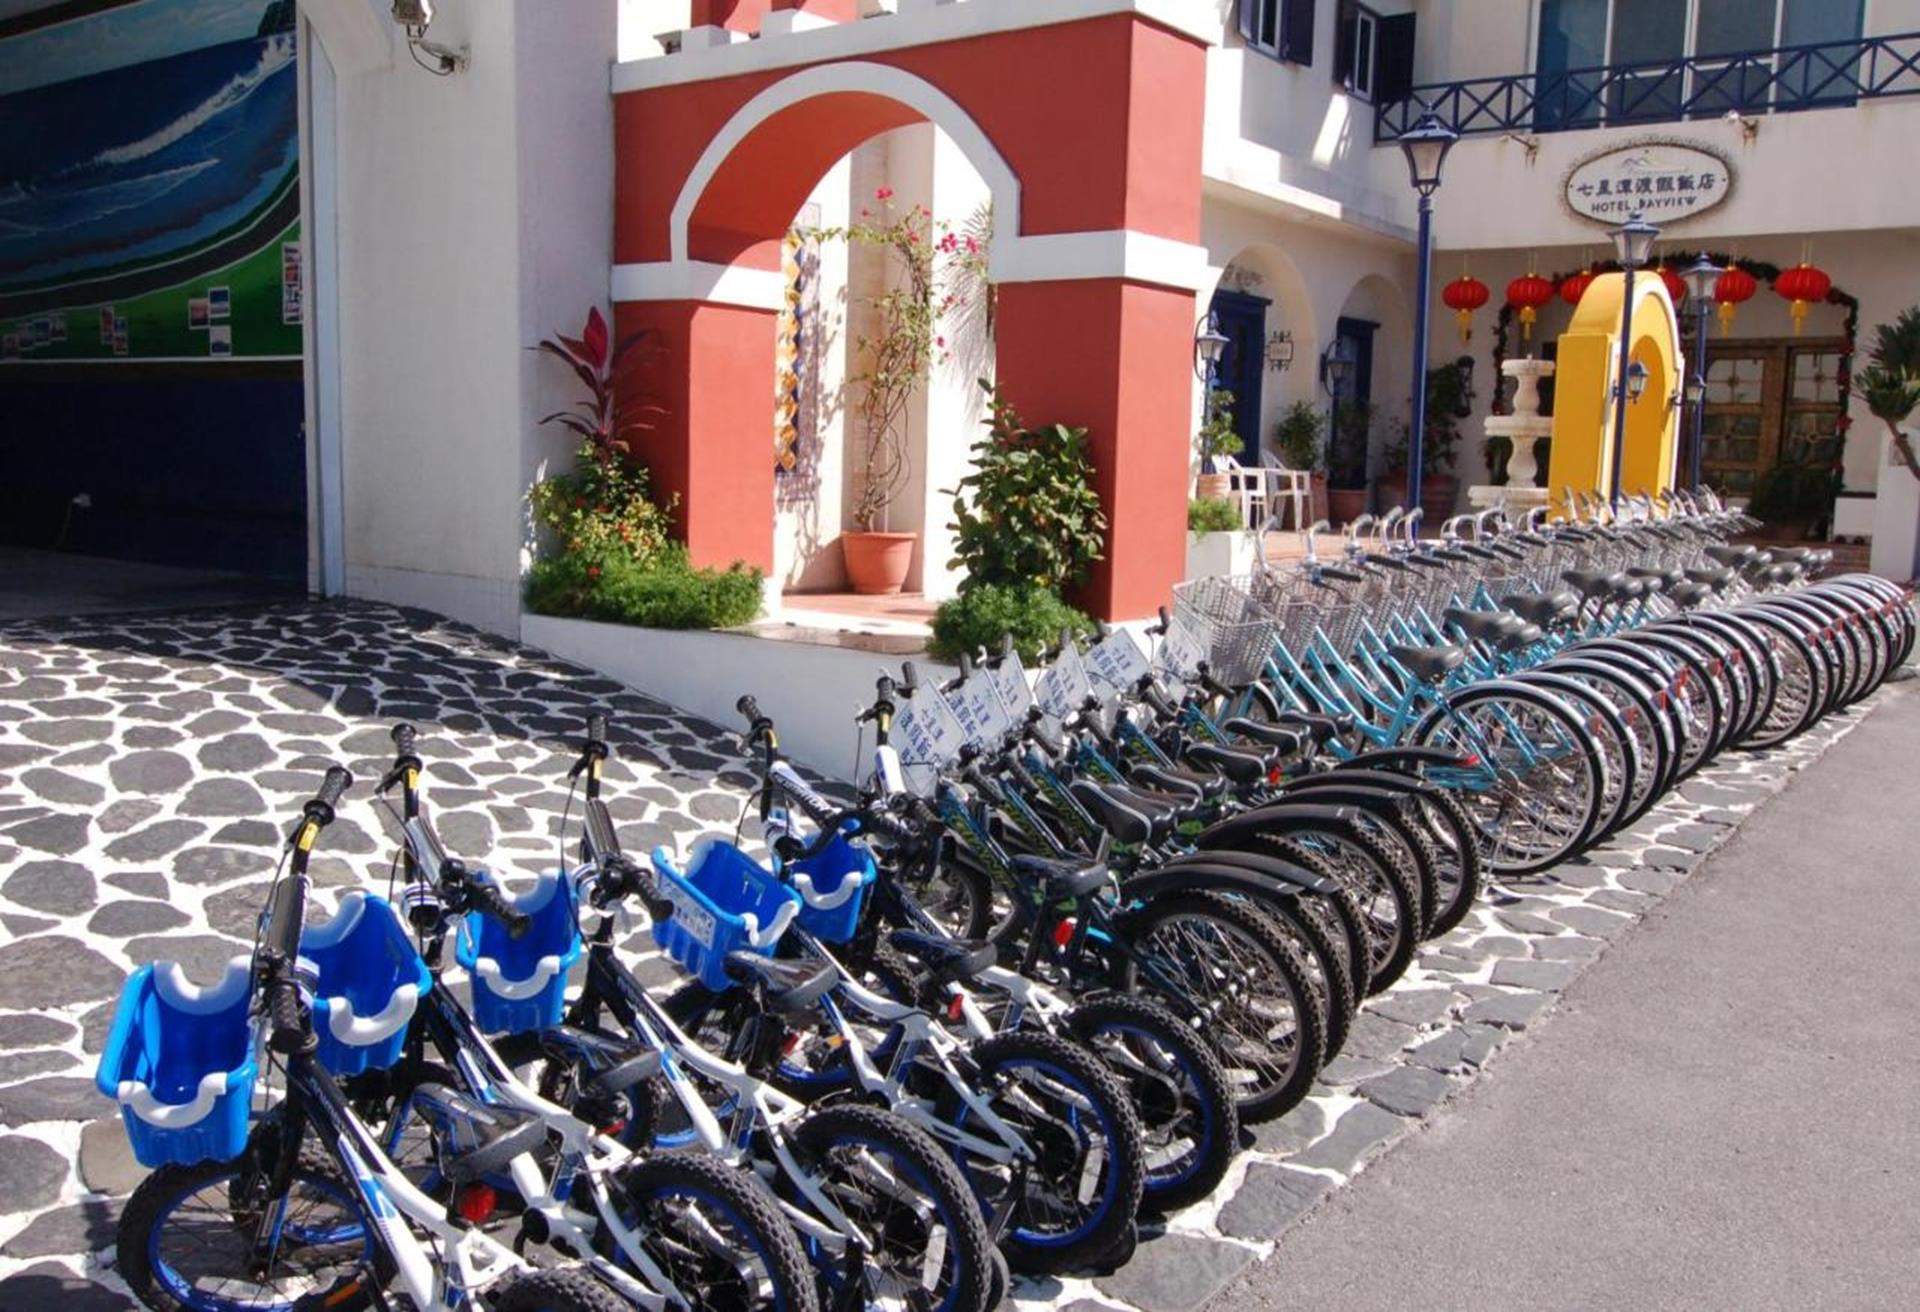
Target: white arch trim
(868, 78)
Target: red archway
(1087, 130)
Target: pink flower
(940, 342)
(883, 193)
(973, 247)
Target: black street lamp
(1426, 144)
(1335, 366)
(1701, 279)
(1632, 245)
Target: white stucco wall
(474, 216)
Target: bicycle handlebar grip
(1344, 575)
(1156, 697)
(290, 1033)
(966, 666)
(749, 708)
(332, 788)
(490, 902)
(283, 918)
(403, 735)
(597, 728)
(1166, 622)
(909, 676)
(1006, 645)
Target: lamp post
(1632, 244)
(1701, 279)
(1209, 344)
(1334, 367)
(1426, 144)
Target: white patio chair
(1294, 487)
(1246, 486)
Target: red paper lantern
(1676, 285)
(1729, 290)
(1574, 286)
(1802, 285)
(1463, 296)
(1527, 294)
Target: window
(1281, 28)
(1356, 49)
(1579, 36)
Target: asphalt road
(1724, 1113)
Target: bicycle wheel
(926, 1245)
(716, 1235)
(558, 1289)
(1187, 1119)
(1224, 962)
(1536, 781)
(1633, 701)
(1081, 1192)
(185, 1239)
(1388, 902)
(1619, 752)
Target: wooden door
(1742, 428)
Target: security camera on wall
(413, 18)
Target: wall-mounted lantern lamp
(413, 18)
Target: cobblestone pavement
(149, 764)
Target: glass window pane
(1649, 29)
(1805, 22)
(1573, 35)
(1733, 27)
(1816, 376)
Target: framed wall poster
(220, 339)
(219, 304)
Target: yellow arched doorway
(1588, 359)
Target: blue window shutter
(1250, 21)
(1393, 59)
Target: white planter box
(811, 690)
(1210, 554)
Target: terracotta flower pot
(877, 563)
(1437, 493)
(1318, 500)
(1346, 504)
(1212, 487)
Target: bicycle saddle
(1690, 594)
(1657, 580)
(945, 960)
(1128, 818)
(1796, 555)
(1430, 664)
(1206, 785)
(1543, 608)
(1062, 878)
(1731, 555)
(787, 987)
(1270, 735)
(1321, 728)
(1718, 579)
(1593, 583)
(619, 1078)
(1484, 625)
(1242, 767)
(476, 1139)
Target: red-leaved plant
(602, 422)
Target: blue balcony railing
(1790, 78)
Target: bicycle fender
(1269, 866)
(1245, 831)
(1398, 758)
(1216, 877)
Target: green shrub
(1297, 436)
(1213, 515)
(983, 615)
(1027, 514)
(665, 592)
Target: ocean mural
(149, 197)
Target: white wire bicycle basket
(1233, 616)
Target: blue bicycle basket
(723, 902)
(832, 884)
(370, 979)
(521, 984)
(180, 1060)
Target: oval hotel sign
(1667, 180)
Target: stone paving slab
(147, 765)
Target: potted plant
(1218, 437)
(1298, 437)
(1890, 385)
(1347, 461)
(894, 354)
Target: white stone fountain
(1522, 427)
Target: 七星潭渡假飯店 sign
(1666, 180)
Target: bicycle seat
(1123, 818)
(945, 960)
(1690, 594)
(1543, 608)
(1430, 664)
(617, 1079)
(1731, 555)
(1062, 879)
(1271, 735)
(1593, 583)
(1206, 785)
(1242, 767)
(1795, 555)
(1483, 625)
(787, 987)
(1321, 728)
(1657, 580)
(1718, 579)
(476, 1139)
